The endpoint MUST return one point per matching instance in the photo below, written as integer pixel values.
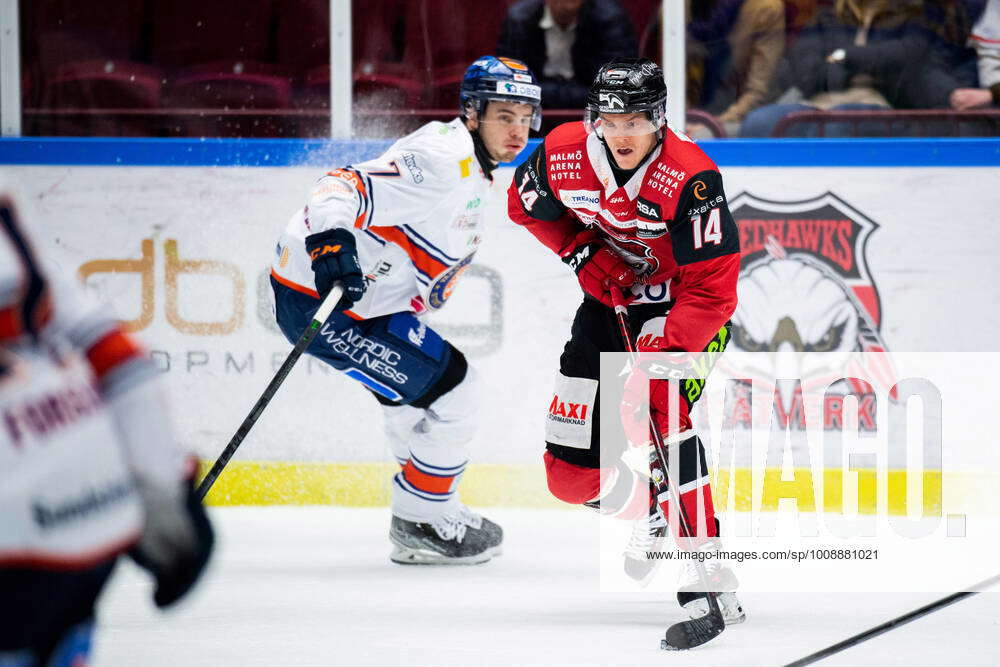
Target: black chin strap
(483, 155)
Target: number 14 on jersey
(712, 230)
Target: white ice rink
(314, 586)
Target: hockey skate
(647, 535)
(461, 537)
(691, 596)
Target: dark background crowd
(755, 68)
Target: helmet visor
(620, 124)
(534, 121)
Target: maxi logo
(365, 353)
(570, 413)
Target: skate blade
(412, 556)
(643, 579)
(732, 610)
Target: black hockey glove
(334, 256)
(176, 542)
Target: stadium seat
(64, 39)
(103, 84)
(194, 32)
(388, 66)
(232, 85)
(457, 33)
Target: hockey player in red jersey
(632, 206)
(88, 466)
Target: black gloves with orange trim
(334, 255)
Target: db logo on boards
(234, 296)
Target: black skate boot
(494, 533)
(691, 594)
(446, 540)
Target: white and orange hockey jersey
(417, 214)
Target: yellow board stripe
(367, 484)
(486, 484)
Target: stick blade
(695, 632)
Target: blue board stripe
(91, 151)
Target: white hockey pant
(431, 445)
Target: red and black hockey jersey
(670, 222)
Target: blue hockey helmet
(493, 78)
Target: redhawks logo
(806, 245)
(806, 287)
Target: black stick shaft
(894, 623)
(272, 388)
(621, 313)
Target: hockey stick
(697, 631)
(323, 312)
(894, 623)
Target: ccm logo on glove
(334, 255)
(600, 270)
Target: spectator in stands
(951, 61)
(985, 39)
(854, 55)
(566, 42)
(739, 43)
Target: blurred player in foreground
(88, 465)
(634, 207)
(397, 232)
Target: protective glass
(621, 125)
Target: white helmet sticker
(611, 103)
(528, 90)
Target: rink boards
(179, 235)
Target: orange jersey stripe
(295, 286)
(420, 258)
(358, 185)
(307, 291)
(112, 350)
(424, 482)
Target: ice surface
(314, 586)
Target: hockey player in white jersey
(397, 232)
(88, 467)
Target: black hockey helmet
(626, 86)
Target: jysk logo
(648, 209)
